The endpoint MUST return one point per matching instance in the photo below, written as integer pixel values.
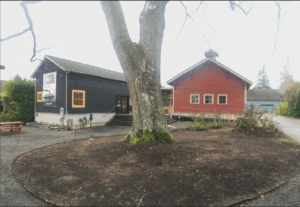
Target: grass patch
(290, 140)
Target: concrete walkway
(289, 194)
(290, 126)
(13, 144)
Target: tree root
(149, 137)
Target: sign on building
(49, 89)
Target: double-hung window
(208, 99)
(222, 99)
(78, 99)
(195, 99)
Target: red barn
(209, 87)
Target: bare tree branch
(15, 35)
(187, 15)
(233, 5)
(278, 26)
(29, 21)
(200, 4)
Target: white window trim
(204, 95)
(219, 99)
(191, 98)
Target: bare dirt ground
(217, 167)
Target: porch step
(126, 120)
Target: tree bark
(141, 63)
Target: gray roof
(264, 95)
(202, 62)
(76, 67)
(2, 67)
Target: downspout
(35, 100)
(173, 97)
(66, 97)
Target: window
(78, 99)
(208, 99)
(195, 99)
(40, 96)
(222, 99)
(166, 98)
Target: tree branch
(116, 22)
(233, 5)
(278, 26)
(187, 15)
(15, 35)
(29, 21)
(152, 25)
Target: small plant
(200, 126)
(189, 127)
(216, 125)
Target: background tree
(140, 62)
(263, 80)
(18, 98)
(286, 78)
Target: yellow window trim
(83, 104)
(37, 96)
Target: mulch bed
(205, 168)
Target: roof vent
(211, 54)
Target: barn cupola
(211, 54)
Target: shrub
(189, 127)
(19, 104)
(216, 125)
(296, 111)
(201, 126)
(284, 109)
(246, 122)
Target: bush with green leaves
(249, 119)
(284, 109)
(19, 100)
(296, 111)
(203, 126)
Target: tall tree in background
(263, 80)
(286, 77)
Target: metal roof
(205, 61)
(264, 95)
(76, 67)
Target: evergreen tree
(286, 77)
(263, 80)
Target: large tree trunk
(141, 64)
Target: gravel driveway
(289, 194)
(13, 144)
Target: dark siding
(100, 93)
(60, 88)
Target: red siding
(210, 79)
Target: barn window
(208, 99)
(78, 99)
(40, 96)
(222, 99)
(195, 99)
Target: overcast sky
(78, 31)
